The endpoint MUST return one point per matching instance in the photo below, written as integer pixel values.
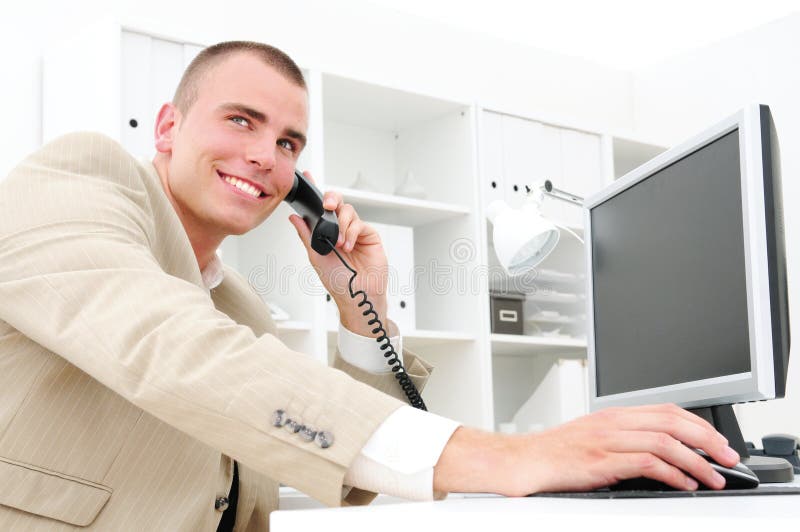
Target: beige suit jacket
(126, 387)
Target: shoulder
(85, 153)
(86, 166)
(77, 176)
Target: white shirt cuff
(364, 352)
(399, 458)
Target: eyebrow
(261, 118)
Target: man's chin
(239, 229)
(235, 224)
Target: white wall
(679, 98)
(350, 37)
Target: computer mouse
(738, 477)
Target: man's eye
(283, 143)
(242, 121)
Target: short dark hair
(186, 93)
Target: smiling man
(228, 146)
(142, 384)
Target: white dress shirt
(398, 458)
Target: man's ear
(167, 124)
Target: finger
(670, 421)
(632, 465)
(332, 201)
(667, 408)
(716, 445)
(687, 432)
(346, 215)
(353, 232)
(682, 412)
(302, 229)
(670, 451)
(308, 175)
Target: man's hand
(588, 453)
(360, 245)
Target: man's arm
(591, 452)
(78, 275)
(351, 357)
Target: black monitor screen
(668, 273)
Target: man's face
(232, 154)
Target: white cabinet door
(492, 157)
(517, 153)
(137, 111)
(398, 242)
(167, 63)
(582, 167)
(521, 157)
(552, 167)
(151, 70)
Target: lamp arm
(548, 189)
(568, 230)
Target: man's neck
(204, 242)
(203, 245)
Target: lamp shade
(522, 237)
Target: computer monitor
(687, 294)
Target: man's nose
(262, 154)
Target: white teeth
(241, 185)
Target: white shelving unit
(420, 338)
(524, 345)
(380, 134)
(398, 210)
(515, 152)
(629, 154)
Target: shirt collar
(213, 273)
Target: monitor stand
(767, 469)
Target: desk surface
(494, 513)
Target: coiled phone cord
(413, 395)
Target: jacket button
(293, 426)
(221, 504)
(308, 434)
(324, 439)
(278, 418)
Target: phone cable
(392, 358)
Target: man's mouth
(243, 186)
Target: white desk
(498, 514)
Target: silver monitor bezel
(759, 383)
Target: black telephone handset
(306, 200)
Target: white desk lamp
(523, 238)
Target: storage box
(506, 313)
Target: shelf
(426, 338)
(630, 154)
(373, 106)
(522, 345)
(419, 338)
(398, 210)
(546, 296)
(567, 320)
(553, 276)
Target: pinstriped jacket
(126, 387)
